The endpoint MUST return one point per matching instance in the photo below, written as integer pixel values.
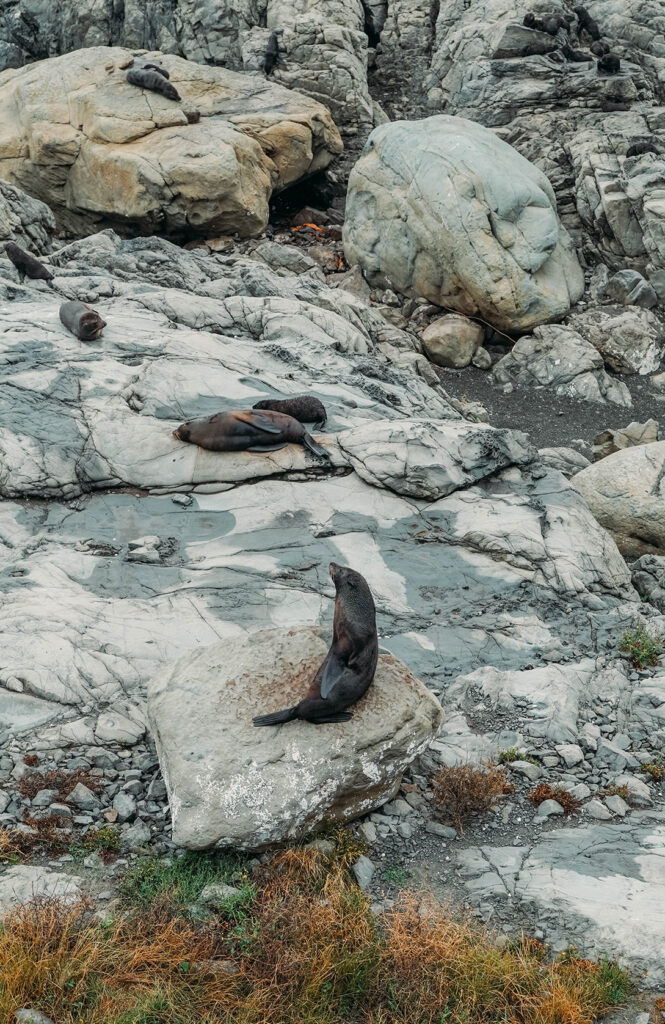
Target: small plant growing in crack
(511, 754)
(655, 768)
(643, 647)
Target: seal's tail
(310, 443)
(277, 718)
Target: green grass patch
(511, 754)
(182, 879)
(398, 876)
(643, 647)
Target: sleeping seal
(145, 78)
(347, 670)
(82, 320)
(247, 430)
(305, 408)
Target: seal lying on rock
(272, 55)
(27, 265)
(608, 64)
(145, 78)
(638, 148)
(247, 430)
(305, 408)
(158, 68)
(348, 669)
(82, 320)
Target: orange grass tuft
(544, 791)
(63, 782)
(464, 790)
(307, 950)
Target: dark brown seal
(586, 22)
(608, 64)
(82, 320)
(348, 669)
(145, 78)
(638, 148)
(27, 265)
(305, 408)
(246, 430)
(273, 54)
(158, 68)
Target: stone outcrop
(559, 358)
(24, 220)
(626, 493)
(614, 440)
(630, 340)
(78, 136)
(230, 784)
(445, 209)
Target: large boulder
(231, 784)
(452, 340)
(78, 136)
(626, 493)
(444, 209)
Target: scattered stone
(549, 808)
(22, 883)
(124, 804)
(363, 870)
(83, 797)
(570, 753)
(31, 1017)
(218, 893)
(526, 768)
(452, 340)
(597, 810)
(617, 805)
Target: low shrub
(465, 789)
(644, 648)
(565, 799)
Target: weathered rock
(31, 1017)
(629, 288)
(230, 784)
(567, 460)
(626, 493)
(610, 441)
(414, 223)
(452, 340)
(629, 340)
(95, 148)
(83, 797)
(557, 357)
(24, 220)
(430, 460)
(23, 883)
(113, 727)
(648, 575)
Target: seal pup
(83, 321)
(348, 668)
(27, 265)
(305, 408)
(247, 430)
(608, 64)
(158, 68)
(599, 47)
(153, 80)
(272, 56)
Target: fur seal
(305, 408)
(577, 56)
(272, 55)
(247, 430)
(348, 668)
(550, 24)
(153, 80)
(599, 47)
(82, 320)
(27, 265)
(586, 22)
(608, 64)
(158, 68)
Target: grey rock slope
(122, 550)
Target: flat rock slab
(26, 882)
(231, 784)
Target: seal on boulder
(158, 68)
(272, 55)
(305, 408)
(347, 671)
(83, 321)
(247, 430)
(145, 78)
(27, 265)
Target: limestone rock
(231, 784)
(23, 883)
(78, 136)
(25, 221)
(444, 209)
(559, 358)
(452, 340)
(610, 441)
(430, 460)
(630, 340)
(626, 493)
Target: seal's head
(342, 575)
(91, 325)
(183, 432)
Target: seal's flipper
(268, 447)
(342, 716)
(277, 718)
(256, 420)
(333, 667)
(315, 448)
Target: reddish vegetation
(464, 790)
(63, 782)
(544, 791)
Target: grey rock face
(629, 340)
(648, 575)
(501, 252)
(24, 882)
(25, 221)
(250, 788)
(559, 358)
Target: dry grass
(63, 782)
(49, 834)
(304, 950)
(544, 791)
(464, 790)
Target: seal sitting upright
(27, 265)
(347, 670)
(247, 430)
